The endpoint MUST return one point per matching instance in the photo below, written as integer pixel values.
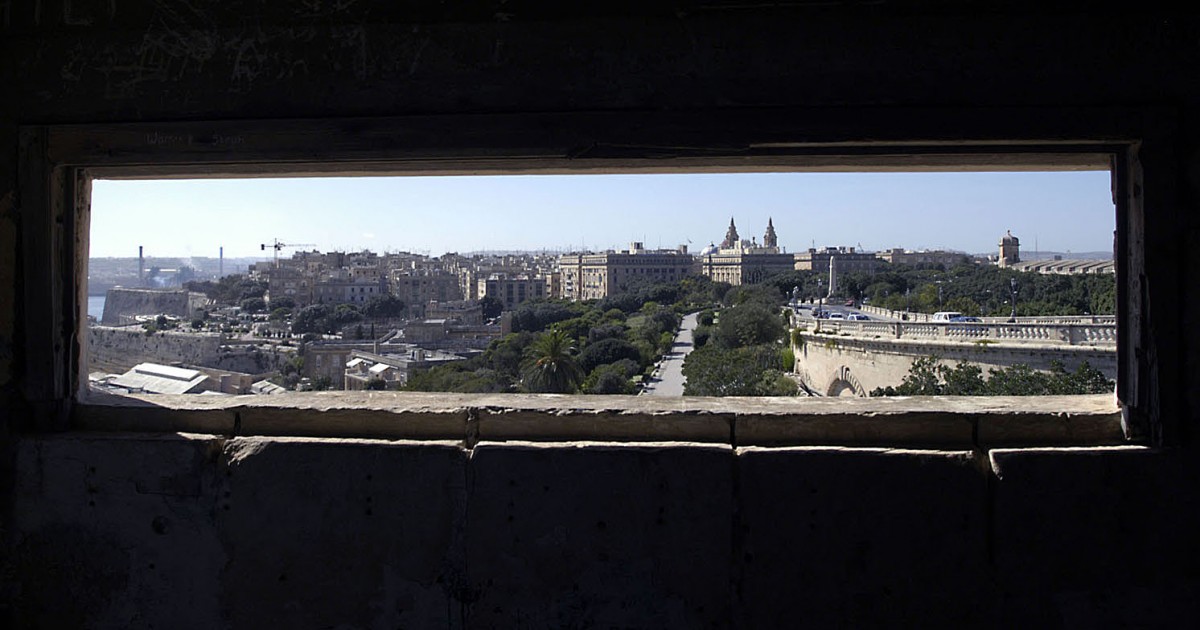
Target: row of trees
(929, 377)
(741, 353)
(970, 288)
(597, 347)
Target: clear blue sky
(1063, 211)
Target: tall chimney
(141, 267)
(221, 265)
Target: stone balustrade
(1067, 334)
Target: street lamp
(1012, 283)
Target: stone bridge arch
(844, 383)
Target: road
(836, 307)
(668, 380)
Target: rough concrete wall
(208, 532)
(124, 531)
(121, 304)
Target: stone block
(842, 537)
(116, 531)
(599, 536)
(350, 533)
(1082, 533)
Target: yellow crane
(277, 245)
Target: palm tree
(549, 366)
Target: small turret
(1010, 249)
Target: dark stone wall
(167, 531)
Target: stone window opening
(66, 403)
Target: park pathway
(668, 379)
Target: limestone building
(848, 260)
(901, 256)
(738, 261)
(512, 290)
(587, 276)
(418, 289)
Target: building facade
(739, 261)
(901, 256)
(848, 260)
(512, 290)
(595, 276)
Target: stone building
(594, 276)
(418, 289)
(512, 291)
(901, 256)
(740, 262)
(848, 260)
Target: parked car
(857, 317)
(836, 316)
(963, 319)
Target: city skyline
(1062, 211)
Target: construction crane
(277, 245)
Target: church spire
(769, 239)
(731, 236)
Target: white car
(858, 317)
(836, 316)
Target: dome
(711, 249)
(1009, 238)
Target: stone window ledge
(902, 422)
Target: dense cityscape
(734, 318)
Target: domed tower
(769, 239)
(731, 236)
(1010, 249)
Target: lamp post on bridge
(820, 305)
(1012, 283)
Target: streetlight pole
(820, 304)
(1012, 283)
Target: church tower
(731, 236)
(769, 239)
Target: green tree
(608, 379)
(606, 351)
(253, 304)
(550, 366)
(929, 377)
(746, 371)
(491, 306)
(384, 306)
(748, 324)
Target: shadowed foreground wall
(115, 530)
(201, 531)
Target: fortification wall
(121, 305)
(118, 349)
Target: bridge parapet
(1041, 319)
(1096, 335)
